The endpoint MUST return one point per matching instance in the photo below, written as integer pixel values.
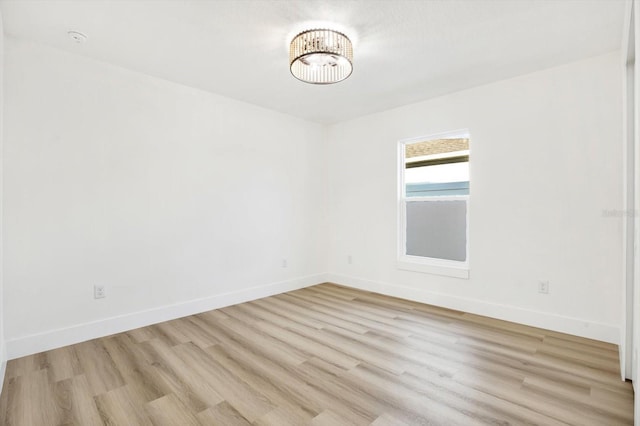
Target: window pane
(437, 180)
(453, 172)
(437, 229)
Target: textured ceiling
(404, 51)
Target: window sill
(435, 267)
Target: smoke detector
(77, 36)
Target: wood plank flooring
(325, 355)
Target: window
(433, 204)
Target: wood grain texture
(324, 355)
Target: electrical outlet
(99, 292)
(284, 263)
(349, 259)
(543, 287)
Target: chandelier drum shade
(321, 56)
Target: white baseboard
(575, 326)
(3, 370)
(52, 339)
(57, 338)
(3, 363)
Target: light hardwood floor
(325, 355)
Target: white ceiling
(404, 51)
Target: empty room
(319, 212)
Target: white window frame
(430, 265)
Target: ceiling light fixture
(321, 56)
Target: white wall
(545, 163)
(162, 193)
(3, 356)
(631, 125)
(179, 200)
